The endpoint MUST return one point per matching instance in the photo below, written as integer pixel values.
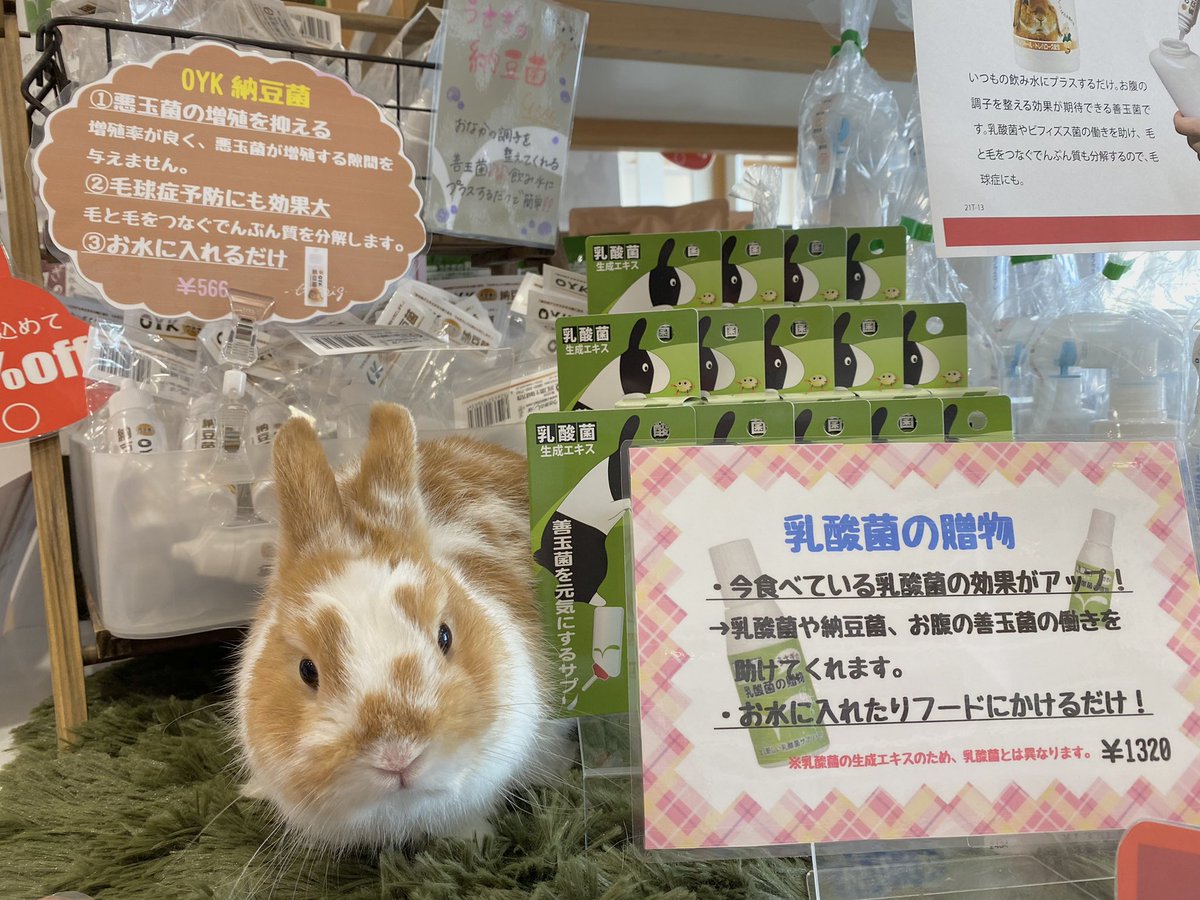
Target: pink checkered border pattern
(678, 817)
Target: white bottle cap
(233, 383)
(130, 396)
(1100, 531)
(731, 560)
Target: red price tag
(41, 361)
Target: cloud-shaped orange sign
(171, 182)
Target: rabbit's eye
(308, 672)
(444, 638)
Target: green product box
(831, 421)
(876, 263)
(628, 359)
(732, 363)
(978, 419)
(798, 344)
(752, 267)
(644, 272)
(903, 420)
(867, 346)
(814, 264)
(763, 422)
(935, 345)
(577, 505)
(960, 393)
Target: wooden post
(49, 489)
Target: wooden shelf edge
(629, 134)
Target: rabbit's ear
(383, 497)
(790, 245)
(852, 244)
(311, 509)
(840, 326)
(910, 319)
(770, 327)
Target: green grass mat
(147, 807)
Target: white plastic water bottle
(1179, 70)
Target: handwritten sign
(503, 119)
(896, 641)
(41, 361)
(168, 183)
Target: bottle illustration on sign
(1044, 35)
(1178, 68)
(1091, 587)
(780, 660)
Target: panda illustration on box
(851, 366)
(784, 368)
(716, 369)
(664, 286)
(635, 371)
(799, 281)
(737, 284)
(862, 282)
(921, 364)
(587, 515)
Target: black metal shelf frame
(49, 76)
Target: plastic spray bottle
(779, 660)
(134, 426)
(1091, 590)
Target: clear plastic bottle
(134, 426)
(233, 464)
(200, 426)
(1178, 69)
(266, 419)
(779, 659)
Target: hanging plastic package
(761, 187)
(1113, 357)
(848, 134)
(931, 278)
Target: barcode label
(326, 340)
(319, 29)
(509, 402)
(486, 413)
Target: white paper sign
(1048, 130)
(912, 640)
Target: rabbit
(737, 284)
(716, 369)
(921, 364)
(862, 282)
(851, 366)
(664, 285)
(1036, 20)
(394, 684)
(802, 424)
(634, 371)
(784, 368)
(588, 514)
(800, 283)
(724, 427)
(949, 415)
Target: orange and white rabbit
(1036, 20)
(393, 682)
